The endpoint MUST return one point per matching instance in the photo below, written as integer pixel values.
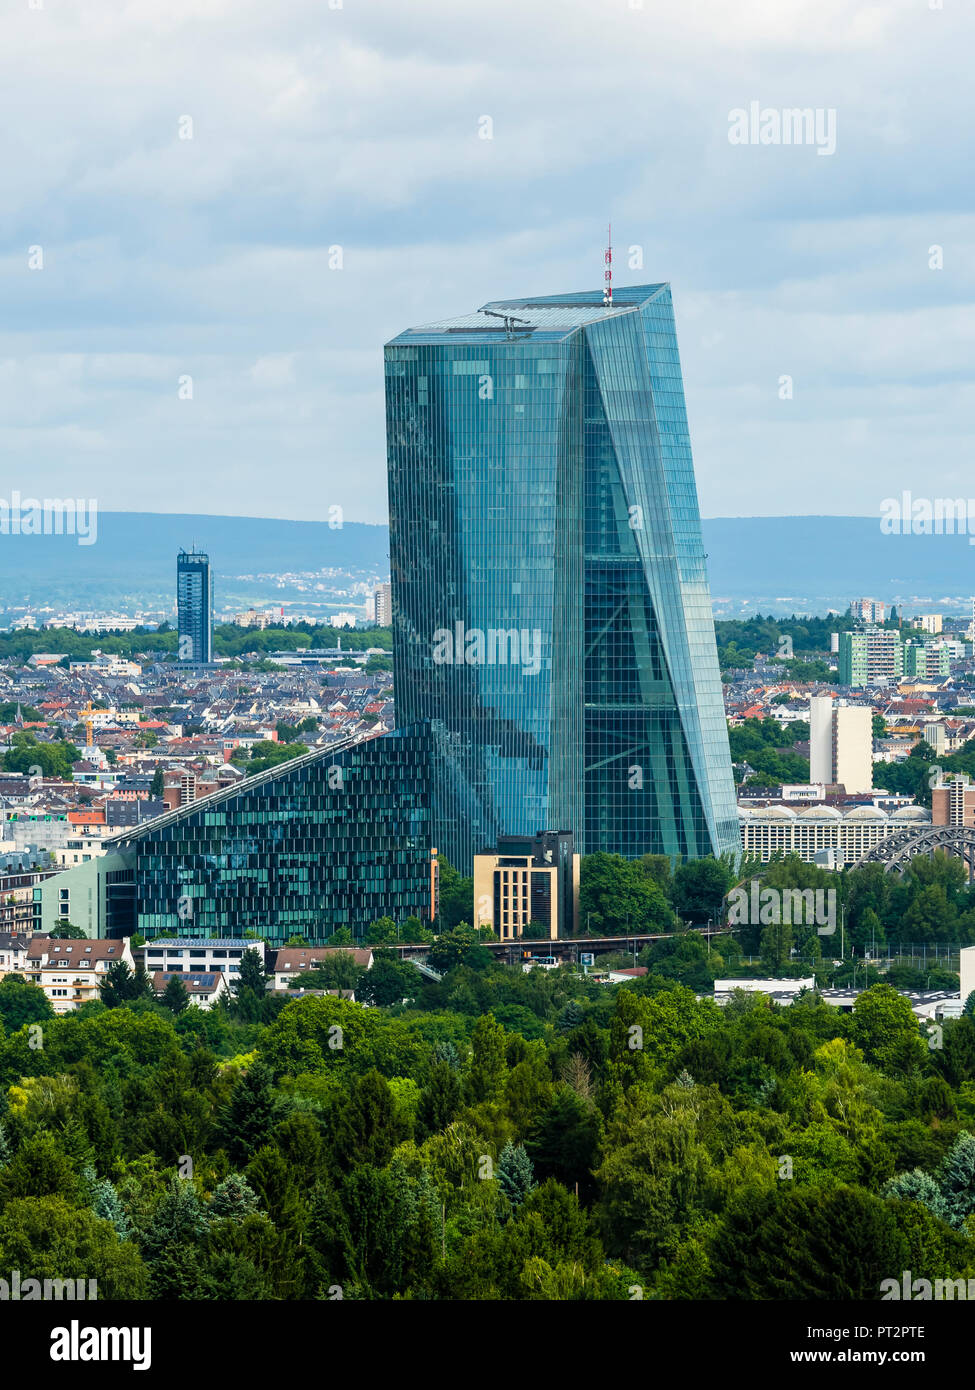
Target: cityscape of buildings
(229, 816)
(487, 772)
(483, 731)
(500, 729)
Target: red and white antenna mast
(608, 274)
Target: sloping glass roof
(625, 295)
(555, 314)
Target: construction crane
(86, 719)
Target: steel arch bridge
(904, 845)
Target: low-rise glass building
(336, 838)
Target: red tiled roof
(71, 952)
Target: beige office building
(528, 879)
(841, 744)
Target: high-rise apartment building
(953, 801)
(872, 655)
(840, 744)
(869, 610)
(383, 604)
(552, 607)
(927, 660)
(821, 739)
(194, 606)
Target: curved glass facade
(550, 598)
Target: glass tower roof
(555, 316)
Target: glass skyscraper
(550, 596)
(194, 606)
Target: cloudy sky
(358, 125)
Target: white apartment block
(841, 744)
(80, 850)
(200, 955)
(383, 605)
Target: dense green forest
(501, 1135)
(799, 644)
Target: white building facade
(770, 832)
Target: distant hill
(821, 562)
(774, 564)
(145, 544)
(132, 563)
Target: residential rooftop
(177, 943)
